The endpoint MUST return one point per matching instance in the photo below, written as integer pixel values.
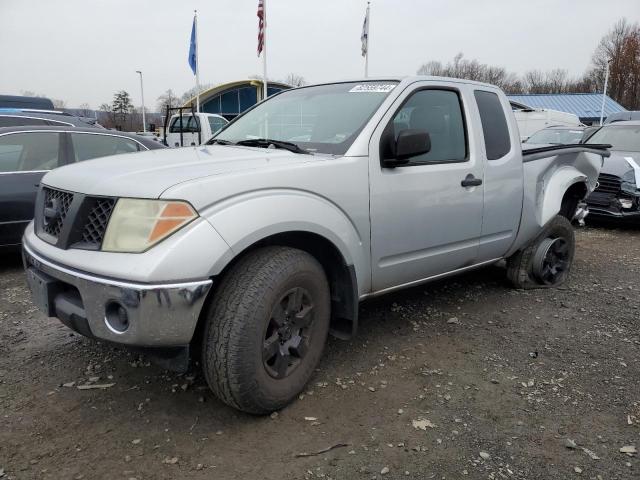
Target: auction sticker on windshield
(373, 88)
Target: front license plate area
(43, 290)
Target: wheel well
(573, 195)
(341, 277)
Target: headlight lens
(137, 224)
(629, 182)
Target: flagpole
(195, 19)
(264, 49)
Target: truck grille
(67, 219)
(56, 207)
(96, 222)
(608, 183)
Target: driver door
(424, 220)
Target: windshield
(323, 119)
(556, 136)
(623, 138)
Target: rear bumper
(157, 315)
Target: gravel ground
(465, 378)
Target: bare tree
(191, 93)
(85, 110)
(57, 103)
(168, 98)
(295, 80)
(461, 67)
(620, 47)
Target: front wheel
(547, 260)
(265, 330)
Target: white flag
(365, 34)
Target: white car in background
(193, 129)
(531, 120)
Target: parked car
(252, 248)
(617, 196)
(12, 117)
(623, 116)
(557, 136)
(193, 129)
(27, 153)
(21, 101)
(531, 120)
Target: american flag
(260, 26)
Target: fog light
(626, 203)
(116, 317)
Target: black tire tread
(236, 295)
(519, 264)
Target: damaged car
(617, 195)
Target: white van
(530, 120)
(184, 133)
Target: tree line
(620, 47)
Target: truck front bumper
(135, 314)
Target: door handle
(471, 181)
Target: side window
(216, 124)
(20, 121)
(439, 112)
(25, 152)
(87, 146)
(494, 124)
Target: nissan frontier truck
(245, 253)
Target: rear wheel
(266, 328)
(547, 260)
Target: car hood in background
(617, 164)
(148, 174)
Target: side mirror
(410, 143)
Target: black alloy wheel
(287, 336)
(551, 261)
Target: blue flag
(193, 48)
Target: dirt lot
(465, 378)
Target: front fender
(247, 218)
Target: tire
(533, 266)
(249, 331)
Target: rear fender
(546, 180)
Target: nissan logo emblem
(52, 211)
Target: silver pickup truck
(248, 251)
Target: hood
(617, 165)
(148, 174)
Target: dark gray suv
(27, 153)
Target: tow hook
(582, 210)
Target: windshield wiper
(266, 142)
(219, 142)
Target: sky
(83, 51)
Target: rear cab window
(494, 124)
(190, 124)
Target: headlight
(629, 182)
(137, 224)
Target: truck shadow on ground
(386, 320)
